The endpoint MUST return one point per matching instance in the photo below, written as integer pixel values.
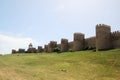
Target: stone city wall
(104, 40)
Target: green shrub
(70, 50)
(56, 49)
(86, 47)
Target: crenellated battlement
(115, 35)
(102, 25)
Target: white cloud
(7, 43)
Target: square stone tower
(103, 37)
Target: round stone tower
(51, 46)
(78, 43)
(103, 37)
(64, 45)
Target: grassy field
(83, 65)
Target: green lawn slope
(83, 65)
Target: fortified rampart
(45, 48)
(70, 45)
(90, 43)
(14, 51)
(104, 40)
(115, 36)
(21, 50)
(40, 49)
(59, 46)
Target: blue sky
(40, 21)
